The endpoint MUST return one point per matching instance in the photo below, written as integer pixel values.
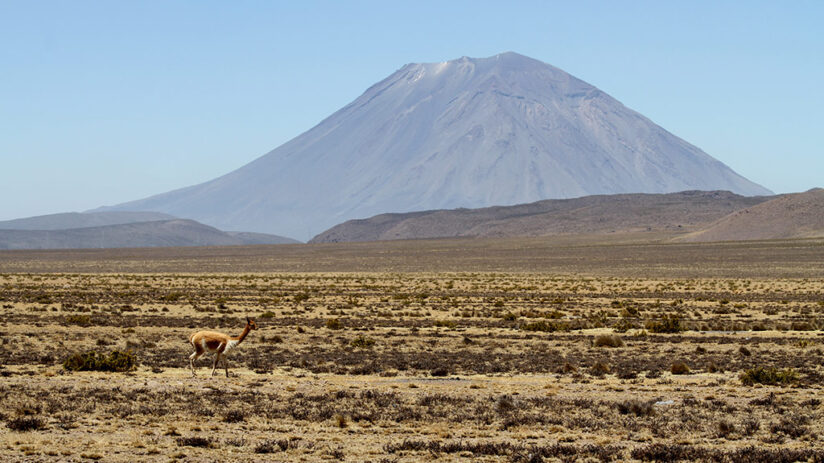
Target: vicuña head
(219, 343)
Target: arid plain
(566, 349)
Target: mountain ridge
(70, 220)
(172, 232)
(787, 216)
(623, 213)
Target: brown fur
(212, 341)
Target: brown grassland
(517, 350)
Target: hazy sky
(109, 101)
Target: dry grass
(389, 366)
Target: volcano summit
(464, 133)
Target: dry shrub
(116, 361)
(362, 342)
(78, 319)
(679, 368)
(541, 325)
(608, 340)
(26, 423)
(439, 371)
(234, 416)
(725, 428)
(636, 407)
(769, 376)
(667, 324)
(567, 368)
(793, 426)
(194, 441)
(272, 445)
(341, 421)
(599, 369)
(750, 426)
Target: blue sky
(105, 102)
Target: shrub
(712, 367)
(568, 368)
(26, 423)
(334, 324)
(267, 446)
(172, 297)
(769, 375)
(627, 374)
(271, 445)
(652, 374)
(92, 361)
(268, 314)
(445, 323)
(194, 441)
(793, 426)
(362, 342)
(625, 324)
(341, 421)
(751, 426)
(636, 407)
(667, 324)
(79, 319)
(234, 416)
(608, 340)
(541, 326)
(599, 369)
(679, 368)
(725, 428)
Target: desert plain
(516, 350)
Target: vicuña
(219, 343)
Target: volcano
(466, 133)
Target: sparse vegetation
(679, 368)
(607, 340)
(362, 342)
(195, 441)
(26, 423)
(116, 361)
(769, 376)
(406, 367)
(667, 324)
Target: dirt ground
(402, 366)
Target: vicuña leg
(214, 365)
(195, 355)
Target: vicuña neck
(246, 330)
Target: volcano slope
(471, 132)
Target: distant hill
(261, 238)
(175, 232)
(69, 220)
(684, 211)
(471, 132)
(798, 215)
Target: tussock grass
(768, 376)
